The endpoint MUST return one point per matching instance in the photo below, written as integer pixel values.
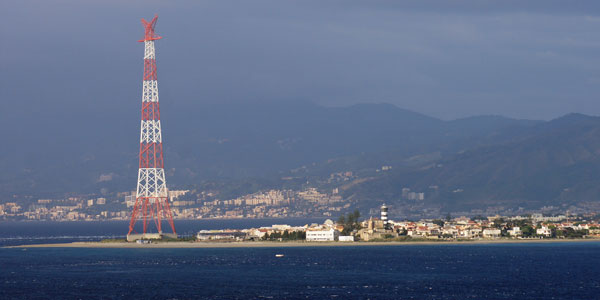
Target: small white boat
(279, 255)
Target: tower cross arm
(149, 28)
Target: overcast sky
(540, 60)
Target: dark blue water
(510, 271)
(506, 271)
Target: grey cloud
(527, 59)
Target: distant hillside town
(185, 205)
(270, 203)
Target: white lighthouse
(384, 216)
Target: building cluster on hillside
(75, 208)
(340, 177)
(267, 204)
(411, 195)
(185, 204)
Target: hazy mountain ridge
(550, 163)
(490, 159)
(209, 141)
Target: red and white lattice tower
(152, 203)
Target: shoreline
(189, 219)
(265, 244)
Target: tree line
(350, 222)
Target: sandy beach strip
(175, 245)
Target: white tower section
(151, 175)
(384, 216)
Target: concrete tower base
(150, 236)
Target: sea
(562, 270)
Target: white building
(541, 218)
(545, 231)
(492, 233)
(130, 200)
(257, 233)
(321, 235)
(470, 233)
(281, 227)
(346, 238)
(515, 231)
(450, 230)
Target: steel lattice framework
(151, 196)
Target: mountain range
(542, 164)
(470, 162)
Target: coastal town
(351, 229)
(311, 202)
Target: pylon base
(150, 236)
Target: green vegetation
(178, 239)
(350, 222)
(498, 223)
(448, 217)
(518, 223)
(528, 231)
(285, 236)
(438, 222)
(570, 233)
(389, 238)
(163, 240)
(113, 241)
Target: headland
(273, 244)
